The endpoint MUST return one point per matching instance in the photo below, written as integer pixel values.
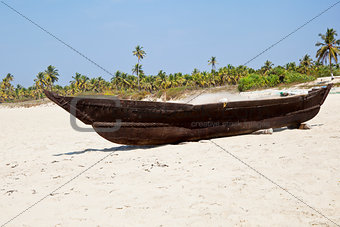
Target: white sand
(191, 184)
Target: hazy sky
(177, 35)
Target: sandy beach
(189, 184)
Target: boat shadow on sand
(286, 128)
(146, 147)
(112, 149)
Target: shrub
(139, 95)
(294, 77)
(279, 71)
(324, 71)
(251, 81)
(254, 81)
(175, 92)
(273, 80)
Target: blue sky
(177, 35)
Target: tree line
(138, 82)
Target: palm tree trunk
(138, 74)
(330, 66)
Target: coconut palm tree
(126, 81)
(173, 82)
(140, 54)
(306, 64)
(195, 71)
(148, 83)
(20, 92)
(7, 89)
(222, 74)
(40, 83)
(76, 82)
(137, 69)
(94, 84)
(291, 66)
(116, 80)
(178, 77)
(268, 65)
(9, 77)
(83, 83)
(51, 76)
(162, 80)
(329, 48)
(187, 80)
(101, 83)
(80, 82)
(213, 63)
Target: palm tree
(9, 77)
(100, 83)
(76, 82)
(20, 92)
(140, 54)
(291, 66)
(147, 83)
(40, 83)
(94, 84)
(80, 82)
(7, 89)
(213, 63)
(162, 80)
(138, 70)
(195, 71)
(172, 81)
(178, 77)
(329, 48)
(83, 83)
(200, 79)
(51, 75)
(116, 79)
(125, 80)
(306, 64)
(268, 65)
(222, 73)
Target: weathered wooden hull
(154, 123)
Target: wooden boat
(154, 123)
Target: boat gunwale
(134, 104)
(180, 104)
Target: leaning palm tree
(51, 74)
(140, 54)
(213, 63)
(329, 48)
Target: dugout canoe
(154, 123)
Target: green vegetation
(252, 81)
(175, 85)
(295, 77)
(329, 48)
